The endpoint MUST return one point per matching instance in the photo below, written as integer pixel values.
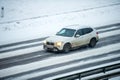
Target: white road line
(57, 60)
(110, 33)
(20, 45)
(108, 28)
(38, 48)
(41, 73)
(21, 52)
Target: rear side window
(87, 30)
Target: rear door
(87, 35)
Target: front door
(78, 39)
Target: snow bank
(46, 26)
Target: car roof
(77, 26)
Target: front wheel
(92, 42)
(45, 48)
(66, 48)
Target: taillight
(97, 33)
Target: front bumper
(51, 48)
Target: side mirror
(77, 35)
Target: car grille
(50, 43)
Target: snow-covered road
(25, 24)
(38, 45)
(27, 64)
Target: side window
(87, 30)
(79, 32)
(90, 30)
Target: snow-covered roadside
(22, 9)
(41, 27)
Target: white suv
(70, 37)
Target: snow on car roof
(77, 26)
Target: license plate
(49, 46)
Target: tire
(92, 42)
(45, 48)
(66, 48)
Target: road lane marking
(57, 60)
(21, 52)
(20, 45)
(110, 33)
(108, 28)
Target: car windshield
(66, 32)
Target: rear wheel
(66, 48)
(92, 42)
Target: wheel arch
(67, 43)
(92, 38)
(91, 42)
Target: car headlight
(58, 44)
(44, 41)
